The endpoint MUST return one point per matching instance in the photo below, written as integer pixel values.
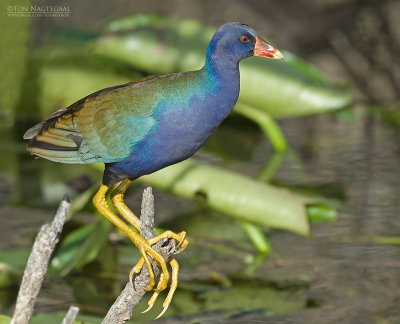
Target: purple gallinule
(145, 125)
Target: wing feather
(102, 127)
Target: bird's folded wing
(102, 127)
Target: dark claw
(180, 250)
(133, 280)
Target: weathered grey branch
(38, 261)
(71, 314)
(130, 297)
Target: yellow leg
(181, 238)
(117, 199)
(174, 284)
(144, 247)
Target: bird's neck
(223, 80)
(222, 68)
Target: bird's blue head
(235, 41)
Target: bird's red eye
(244, 39)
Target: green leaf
(386, 240)
(79, 82)
(80, 247)
(94, 243)
(4, 319)
(281, 90)
(266, 123)
(257, 236)
(15, 258)
(389, 114)
(321, 213)
(60, 76)
(65, 258)
(235, 195)
(7, 276)
(57, 317)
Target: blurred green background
(291, 206)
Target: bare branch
(130, 297)
(71, 314)
(38, 261)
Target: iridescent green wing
(102, 127)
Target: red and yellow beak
(262, 48)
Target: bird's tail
(54, 139)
